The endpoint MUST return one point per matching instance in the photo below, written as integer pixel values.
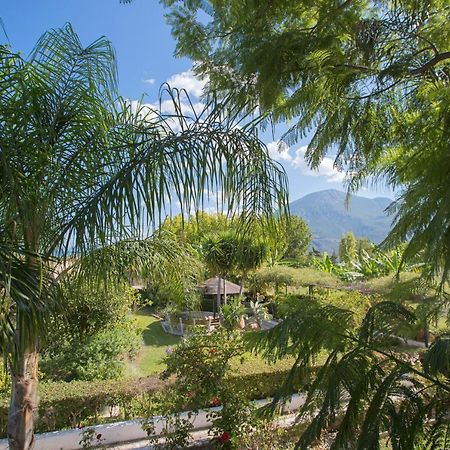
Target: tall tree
(370, 80)
(347, 247)
(81, 168)
(298, 238)
(219, 252)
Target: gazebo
(220, 287)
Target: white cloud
(150, 81)
(188, 81)
(168, 107)
(325, 169)
(279, 151)
(146, 110)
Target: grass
(156, 340)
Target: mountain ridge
(329, 218)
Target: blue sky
(145, 59)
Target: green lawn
(149, 360)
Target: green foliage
(354, 301)
(298, 238)
(325, 263)
(82, 168)
(93, 334)
(66, 95)
(87, 309)
(220, 252)
(370, 80)
(201, 364)
(196, 228)
(90, 440)
(100, 356)
(232, 313)
(259, 310)
(437, 358)
(366, 387)
(347, 248)
(280, 276)
(81, 403)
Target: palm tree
(365, 387)
(250, 256)
(81, 168)
(219, 253)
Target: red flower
(224, 437)
(215, 401)
(212, 351)
(99, 436)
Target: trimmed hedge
(70, 405)
(84, 403)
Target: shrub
(70, 405)
(205, 378)
(88, 309)
(101, 356)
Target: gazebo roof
(210, 287)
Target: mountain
(329, 218)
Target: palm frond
(161, 159)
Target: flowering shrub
(203, 379)
(90, 440)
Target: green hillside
(329, 217)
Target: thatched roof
(210, 287)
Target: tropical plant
(325, 263)
(232, 313)
(219, 253)
(259, 310)
(98, 356)
(195, 228)
(203, 369)
(365, 387)
(251, 253)
(91, 334)
(82, 168)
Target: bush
(92, 335)
(205, 377)
(70, 405)
(101, 356)
(88, 309)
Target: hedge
(85, 403)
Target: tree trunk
(218, 292)
(224, 292)
(23, 404)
